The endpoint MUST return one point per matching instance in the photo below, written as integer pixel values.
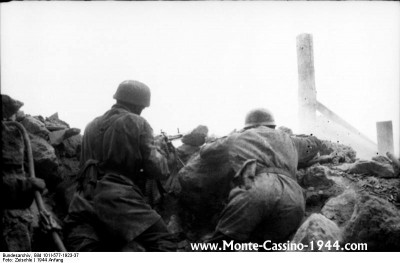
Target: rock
(35, 126)
(196, 137)
(53, 123)
(315, 176)
(185, 152)
(68, 167)
(72, 146)
(376, 222)
(45, 160)
(341, 153)
(340, 209)
(321, 183)
(210, 138)
(343, 167)
(318, 228)
(57, 137)
(20, 116)
(12, 149)
(9, 106)
(381, 159)
(16, 230)
(372, 168)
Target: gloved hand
(37, 184)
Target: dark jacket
(123, 142)
(272, 149)
(123, 145)
(265, 201)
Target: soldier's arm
(155, 163)
(307, 147)
(17, 192)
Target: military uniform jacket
(122, 144)
(265, 201)
(273, 150)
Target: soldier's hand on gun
(37, 184)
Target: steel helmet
(133, 92)
(259, 117)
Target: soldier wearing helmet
(265, 201)
(108, 212)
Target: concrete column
(384, 130)
(307, 95)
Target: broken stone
(376, 222)
(16, 230)
(372, 168)
(210, 138)
(315, 176)
(340, 209)
(72, 146)
(185, 152)
(9, 106)
(339, 152)
(196, 137)
(35, 126)
(57, 137)
(53, 123)
(45, 161)
(68, 167)
(20, 116)
(343, 167)
(12, 149)
(381, 159)
(40, 118)
(318, 228)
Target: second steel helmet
(133, 92)
(258, 117)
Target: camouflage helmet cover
(133, 92)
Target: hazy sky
(205, 62)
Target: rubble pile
(347, 199)
(360, 197)
(56, 151)
(335, 199)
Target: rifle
(47, 220)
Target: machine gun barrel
(174, 137)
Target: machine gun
(171, 148)
(154, 188)
(171, 138)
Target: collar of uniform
(256, 126)
(120, 107)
